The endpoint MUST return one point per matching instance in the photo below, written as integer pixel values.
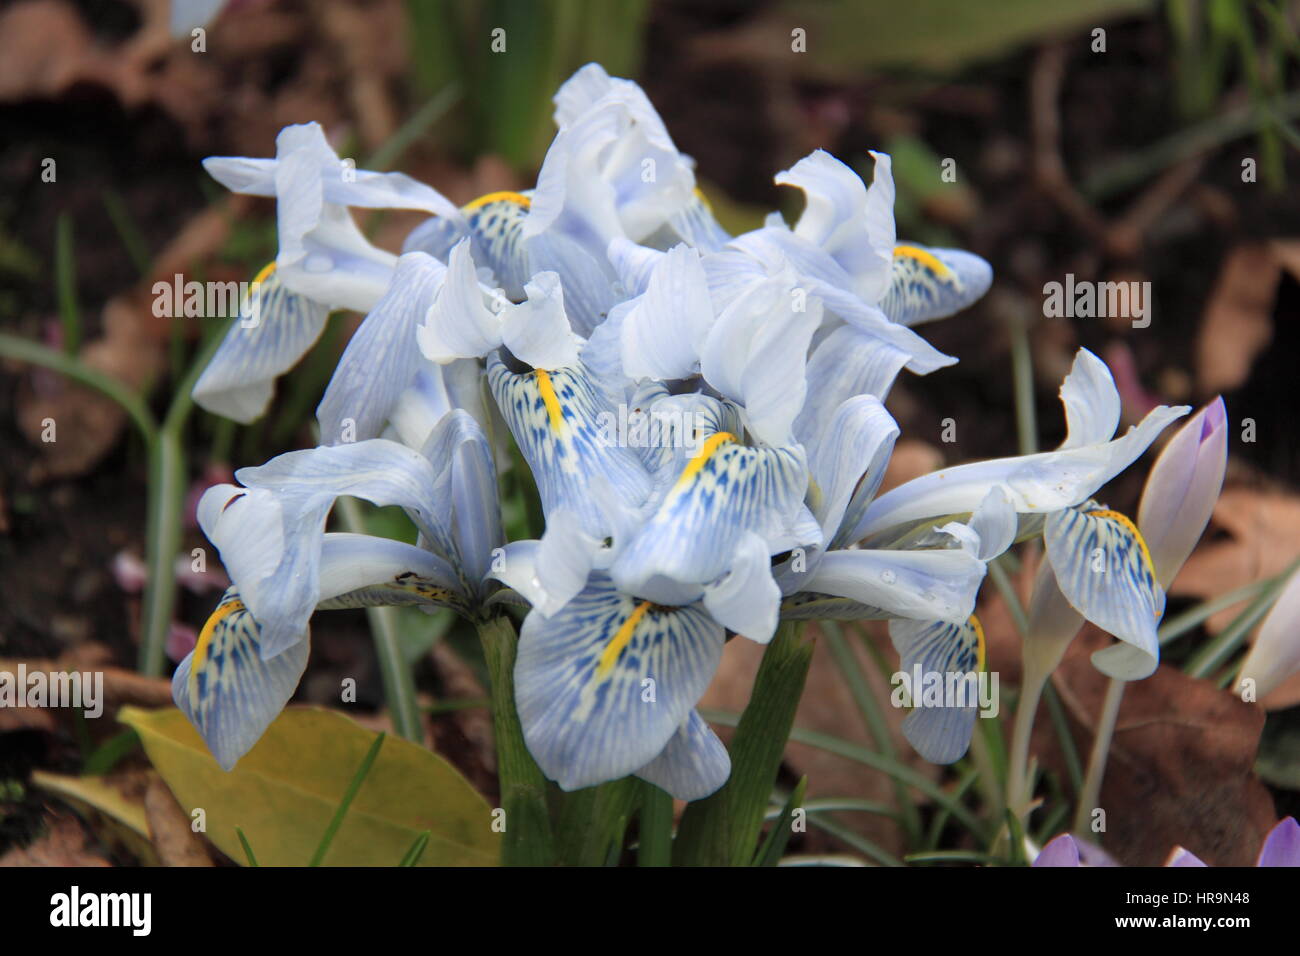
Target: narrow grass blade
(248, 850)
(774, 844)
(354, 787)
(416, 851)
(65, 284)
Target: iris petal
(693, 765)
(229, 692)
(275, 329)
(1103, 569)
(605, 684)
(949, 654)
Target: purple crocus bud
(1182, 488)
(1059, 851)
(1282, 845)
(1181, 857)
(1065, 850)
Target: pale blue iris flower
(284, 566)
(323, 263)
(1101, 563)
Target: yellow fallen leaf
(285, 790)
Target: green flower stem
(399, 682)
(1018, 786)
(723, 829)
(165, 501)
(655, 827)
(529, 841)
(1091, 791)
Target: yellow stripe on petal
(518, 199)
(981, 651)
(696, 464)
(225, 688)
(552, 402)
(925, 258)
(609, 657)
(265, 271)
(204, 643)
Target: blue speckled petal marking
(557, 417)
(724, 491)
(927, 284)
(224, 687)
(494, 224)
(949, 655)
(275, 328)
(604, 685)
(1105, 572)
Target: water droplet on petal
(889, 577)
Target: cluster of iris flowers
(703, 417)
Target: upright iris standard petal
(845, 364)
(773, 249)
(756, 353)
(1103, 568)
(949, 657)
(556, 417)
(323, 255)
(612, 170)
(1092, 403)
(848, 463)
(664, 331)
(462, 459)
(229, 692)
(693, 765)
(927, 284)
(359, 393)
(461, 325)
(274, 330)
(853, 224)
(603, 686)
